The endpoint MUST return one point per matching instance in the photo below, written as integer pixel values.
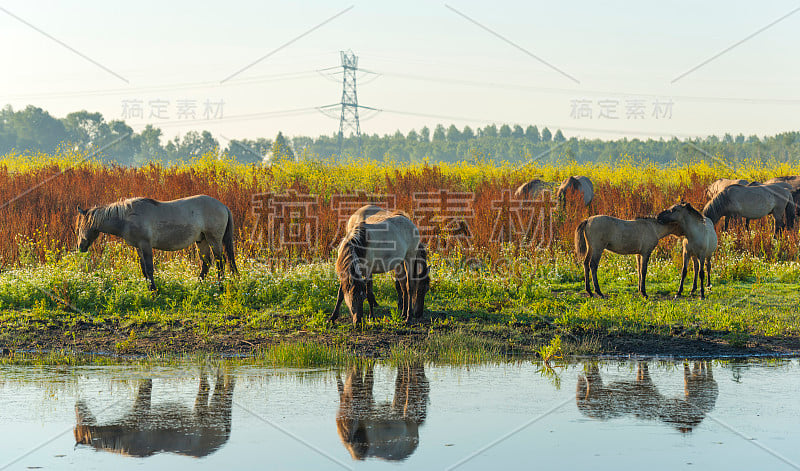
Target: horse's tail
(580, 239)
(227, 244)
(790, 213)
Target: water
(607, 415)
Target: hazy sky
(435, 66)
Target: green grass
(478, 314)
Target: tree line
(34, 129)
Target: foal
(699, 243)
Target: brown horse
(385, 431)
(641, 398)
(754, 202)
(383, 242)
(699, 243)
(147, 224)
(170, 427)
(529, 190)
(579, 184)
(421, 270)
(714, 188)
(794, 186)
(639, 236)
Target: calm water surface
(606, 415)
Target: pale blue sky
(181, 50)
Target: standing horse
(386, 431)
(699, 243)
(794, 186)
(639, 236)
(383, 242)
(147, 224)
(529, 190)
(167, 427)
(716, 187)
(753, 202)
(579, 184)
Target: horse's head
(86, 233)
(678, 214)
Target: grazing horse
(579, 184)
(384, 242)
(386, 431)
(639, 236)
(420, 270)
(170, 427)
(147, 224)
(699, 243)
(529, 191)
(716, 187)
(641, 398)
(754, 202)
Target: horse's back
(176, 224)
(622, 236)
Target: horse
(699, 243)
(385, 431)
(168, 427)
(715, 187)
(639, 236)
(383, 242)
(147, 224)
(641, 398)
(794, 186)
(420, 269)
(529, 190)
(753, 202)
(577, 183)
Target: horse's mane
(354, 247)
(380, 217)
(695, 213)
(97, 215)
(716, 208)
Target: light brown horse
(641, 398)
(754, 202)
(383, 242)
(699, 242)
(531, 189)
(420, 271)
(168, 427)
(598, 233)
(579, 184)
(385, 431)
(714, 188)
(147, 224)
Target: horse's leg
(216, 248)
(398, 287)
(141, 262)
(644, 260)
(726, 224)
(147, 259)
(205, 257)
(695, 264)
(371, 299)
(593, 265)
(683, 273)
(143, 394)
(702, 280)
(339, 299)
(708, 272)
(586, 261)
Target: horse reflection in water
(168, 427)
(641, 398)
(386, 431)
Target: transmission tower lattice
(349, 117)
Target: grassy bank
(476, 310)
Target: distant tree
(281, 150)
(453, 134)
(413, 136)
(739, 138)
(505, 131)
(37, 130)
(490, 131)
(467, 133)
(85, 129)
(425, 134)
(532, 134)
(149, 146)
(559, 137)
(517, 131)
(546, 135)
(439, 134)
